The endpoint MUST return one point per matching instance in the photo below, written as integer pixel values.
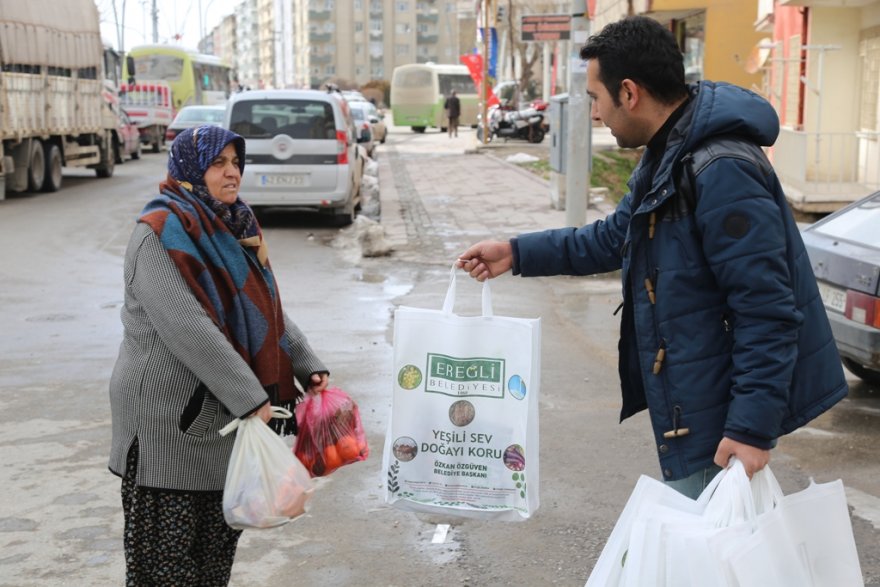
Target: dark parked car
(129, 139)
(844, 250)
(190, 116)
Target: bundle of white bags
(736, 534)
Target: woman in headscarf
(206, 340)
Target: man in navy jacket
(724, 338)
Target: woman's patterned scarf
(220, 253)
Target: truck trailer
(57, 108)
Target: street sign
(546, 27)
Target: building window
(869, 52)
(330, 70)
(376, 25)
(358, 49)
(402, 6)
(422, 28)
(358, 26)
(328, 4)
(358, 4)
(401, 49)
(402, 28)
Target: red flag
(474, 63)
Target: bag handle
(277, 412)
(449, 302)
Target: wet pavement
(61, 522)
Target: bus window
(461, 83)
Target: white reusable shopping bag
(806, 541)
(462, 438)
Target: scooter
(526, 124)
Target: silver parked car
(302, 151)
(844, 250)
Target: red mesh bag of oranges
(330, 432)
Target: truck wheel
(418, 129)
(117, 153)
(137, 152)
(52, 181)
(108, 160)
(157, 145)
(36, 166)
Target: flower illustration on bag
(409, 377)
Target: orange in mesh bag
(330, 432)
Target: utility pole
(484, 89)
(578, 153)
(155, 13)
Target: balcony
(320, 37)
(426, 39)
(821, 172)
(319, 14)
(320, 59)
(427, 59)
(427, 17)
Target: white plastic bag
(266, 485)
(807, 541)
(463, 433)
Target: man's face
(603, 109)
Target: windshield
(858, 224)
(298, 119)
(158, 67)
(201, 115)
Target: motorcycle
(526, 124)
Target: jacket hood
(720, 108)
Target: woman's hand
(317, 383)
(264, 413)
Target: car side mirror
(374, 119)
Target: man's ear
(629, 93)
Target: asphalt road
(61, 520)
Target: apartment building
(247, 57)
(821, 67)
(305, 43)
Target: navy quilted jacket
(728, 335)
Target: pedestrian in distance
(453, 112)
(723, 336)
(205, 341)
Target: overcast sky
(175, 17)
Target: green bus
(195, 79)
(418, 91)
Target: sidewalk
(436, 205)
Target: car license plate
(833, 297)
(284, 179)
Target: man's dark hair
(641, 49)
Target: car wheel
(36, 167)
(866, 374)
(52, 180)
(418, 129)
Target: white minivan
(302, 151)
